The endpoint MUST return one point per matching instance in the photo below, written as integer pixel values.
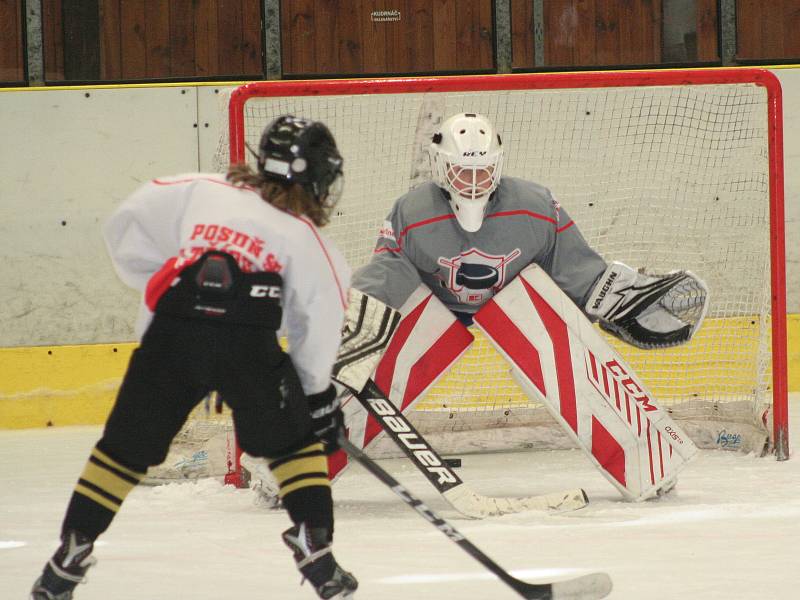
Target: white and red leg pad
(426, 343)
(559, 359)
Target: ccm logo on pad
(265, 291)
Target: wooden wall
(584, 33)
(768, 30)
(320, 37)
(158, 39)
(12, 61)
(123, 40)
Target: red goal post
(660, 169)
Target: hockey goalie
(473, 248)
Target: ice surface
(731, 529)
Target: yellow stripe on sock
(102, 456)
(106, 480)
(298, 466)
(293, 467)
(92, 495)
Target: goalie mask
(295, 150)
(466, 161)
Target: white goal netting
(657, 176)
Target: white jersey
(421, 242)
(169, 223)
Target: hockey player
(222, 262)
(450, 246)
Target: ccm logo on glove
(265, 291)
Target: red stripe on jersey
(608, 451)
(567, 226)
(499, 326)
(210, 180)
(314, 231)
(160, 282)
(557, 330)
(527, 213)
(422, 224)
(342, 295)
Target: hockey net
(660, 170)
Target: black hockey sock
(99, 493)
(304, 486)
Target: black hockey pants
(179, 362)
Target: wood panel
(180, 59)
(206, 47)
(133, 38)
(161, 39)
(110, 41)
(768, 30)
(586, 33)
(12, 65)
(52, 40)
(335, 37)
(522, 35)
(708, 31)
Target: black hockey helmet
(301, 151)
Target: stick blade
(586, 587)
(476, 506)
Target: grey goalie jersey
(421, 242)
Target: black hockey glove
(326, 417)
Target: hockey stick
(444, 479)
(585, 587)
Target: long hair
(290, 197)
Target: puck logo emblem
(475, 276)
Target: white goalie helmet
(467, 160)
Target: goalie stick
(457, 493)
(586, 587)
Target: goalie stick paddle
(444, 479)
(585, 587)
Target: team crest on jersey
(475, 276)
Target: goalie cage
(661, 170)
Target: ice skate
(66, 569)
(312, 553)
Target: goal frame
(589, 79)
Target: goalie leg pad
(559, 359)
(368, 327)
(425, 344)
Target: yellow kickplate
(47, 386)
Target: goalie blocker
(559, 359)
